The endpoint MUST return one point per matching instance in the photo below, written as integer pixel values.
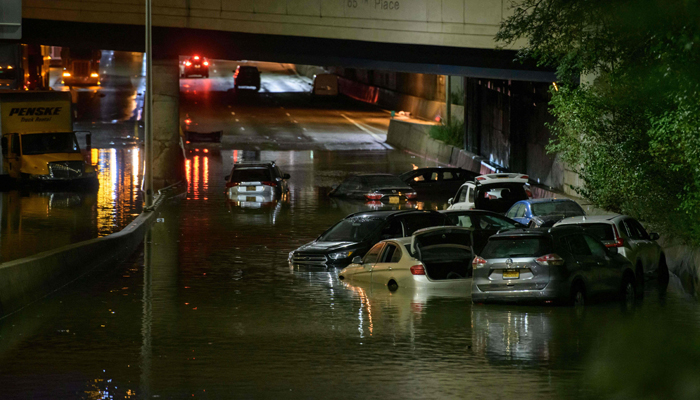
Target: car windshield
(567, 208)
(603, 232)
(45, 143)
(251, 175)
(353, 229)
(517, 246)
(378, 181)
(499, 197)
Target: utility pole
(148, 114)
(448, 100)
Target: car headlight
(339, 255)
(291, 256)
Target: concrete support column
(472, 112)
(168, 161)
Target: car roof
(385, 214)
(538, 231)
(467, 212)
(363, 175)
(546, 200)
(253, 164)
(501, 178)
(608, 219)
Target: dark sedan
(385, 188)
(436, 180)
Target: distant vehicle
(325, 85)
(246, 76)
(358, 232)
(434, 258)
(253, 184)
(484, 224)
(492, 192)
(436, 180)
(39, 146)
(22, 67)
(375, 187)
(80, 66)
(559, 264)
(195, 66)
(628, 237)
(541, 213)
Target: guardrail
(26, 280)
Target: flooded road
(209, 307)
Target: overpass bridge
(451, 37)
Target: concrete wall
(459, 23)
(26, 280)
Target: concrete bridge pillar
(168, 159)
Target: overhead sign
(10, 19)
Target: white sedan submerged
(437, 257)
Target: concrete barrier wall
(28, 279)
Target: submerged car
(357, 233)
(246, 76)
(436, 180)
(483, 223)
(628, 237)
(492, 192)
(437, 257)
(541, 213)
(196, 65)
(560, 264)
(384, 188)
(255, 183)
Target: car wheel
(578, 295)
(629, 290)
(392, 285)
(530, 224)
(662, 273)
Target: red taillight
(188, 121)
(188, 63)
(196, 57)
(269, 183)
(418, 270)
(528, 193)
(480, 178)
(478, 262)
(373, 196)
(411, 195)
(525, 177)
(206, 63)
(232, 184)
(550, 259)
(619, 242)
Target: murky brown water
(217, 313)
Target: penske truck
(39, 145)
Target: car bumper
(551, 292)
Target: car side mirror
(286, 176)
(450, 201)
(654, 236)
(357, 260)
(226, 178)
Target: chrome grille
(309, 258)
(66, 169)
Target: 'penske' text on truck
(38, 141)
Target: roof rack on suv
(255, 162)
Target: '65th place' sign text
(375, 4)
(398, 10)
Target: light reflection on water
(39, 220)
(226, 316)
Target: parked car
(541, 213)
(358, 232)
(628, 237)
(436, 180)
(484, 224)
(436, 258)
(256, 182)
(559, 264)
(325, 85)
(374, 187)
(246, 76)
(492, 192)
(196, 65)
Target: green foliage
(458, 97)
(451, 133)
(634, 135)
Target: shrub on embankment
(451, 133)
(633, 135)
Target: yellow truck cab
(38, 141)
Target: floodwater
(210, 309)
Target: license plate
(511, 274)
(394, 199)
(250, 188)
(250, 198)
(196, 66)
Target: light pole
(148, 114)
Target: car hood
(325, 247)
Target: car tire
(662, 273)
(578, 294)
(392, 285)
(629, 290)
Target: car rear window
(517, 246)
(382, 181)
(603, 232)
(251, 175)
(566, 208)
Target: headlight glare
(339, 255)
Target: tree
(634, 134)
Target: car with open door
(492, 192)
(436, 258)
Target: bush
(451, 133)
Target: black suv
(246, 76)
(355, 234)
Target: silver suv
(560, 264)
(629, 238)
(255, 183)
